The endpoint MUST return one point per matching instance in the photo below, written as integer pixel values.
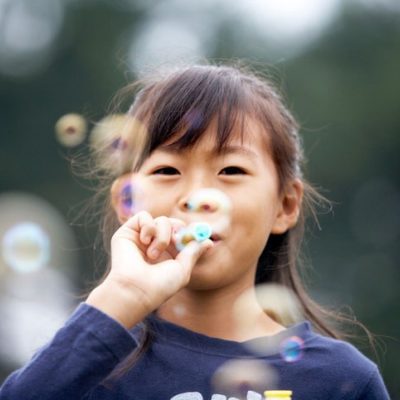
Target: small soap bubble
(292, 349)
(34, 237)
(126, 195)
(71, 130)
(179, 310)
(117, 141)
(201, 231)
(198, 231)
(239, 377)
(26, 247)
(214, 207)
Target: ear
(289, 207)
(122, 197)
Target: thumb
(192, 252)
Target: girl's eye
(166, 171)
(233, 171)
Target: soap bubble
(179, 310)
(213, 207)
(280, 303)
(26, 247)
(33, 236)
(240, 377)
(292, 349)
(71, 130)
(199, 231)
(38, 257)
(126, 196)
(117, 141)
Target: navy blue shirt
(180, 365)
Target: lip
(216, 237)
(216, 242)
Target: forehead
(248, 139)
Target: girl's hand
(145, 265)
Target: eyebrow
(238, 150)
(224, 151)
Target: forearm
(80, 356)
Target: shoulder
(341, 362)
(340, 355)
(326, 353)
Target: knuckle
(144, 215)
(162, 220)
(162, 242)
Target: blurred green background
(338, 66)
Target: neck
(227, 313)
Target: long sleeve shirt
(184, 365)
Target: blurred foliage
(345, 91)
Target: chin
(206, 277)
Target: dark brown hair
(186, 100)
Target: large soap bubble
(116, 142)
(37, 261)
(244, 378)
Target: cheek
(147, 198)
(254, 221)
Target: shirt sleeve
(81, 354)
(375, 388)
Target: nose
(198, 180)
(205, 200)
(190, 203)
(203, 206)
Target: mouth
(215, 238)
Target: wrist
(119, 301)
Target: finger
(177, 224)
(143, 223)
(162, 237)
(192, 252)
(137, 220)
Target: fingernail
(146, 239)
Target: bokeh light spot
(28, 31)
(26, 247)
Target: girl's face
(247, 174)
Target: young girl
(186, 324)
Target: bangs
(180, 111)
